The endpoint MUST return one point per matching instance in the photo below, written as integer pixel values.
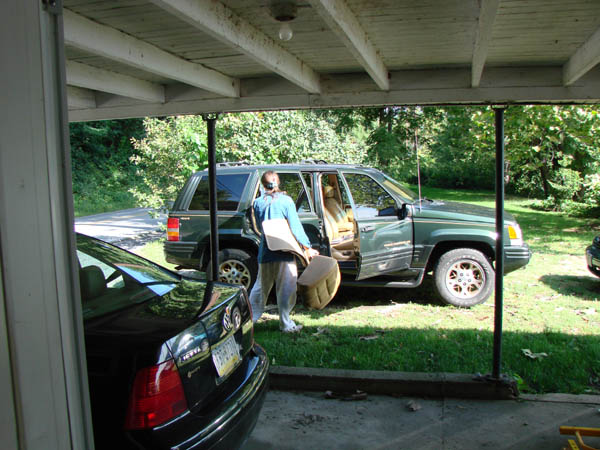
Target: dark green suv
(379, 231)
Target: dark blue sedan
(172, 361)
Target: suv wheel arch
(239, 260)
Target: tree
(554, 153)
(175, 147)
(100, 154)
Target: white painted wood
(79, 98)
(521, 85)
(8, 413)
(483, 36)
(113, 44)
(584, 59)
(345, 24)
(213, 17)
(84, 76)
(42, 322)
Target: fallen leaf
(321, 330)
(368, 338)
(532, 355)
(413, 406)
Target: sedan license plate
(226, 356)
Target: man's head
(270, 181)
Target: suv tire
(236, 267)
(463, 277)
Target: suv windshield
(113, 279)
(399, 189)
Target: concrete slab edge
(439, 384)
(584, 399)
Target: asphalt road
(127, 228)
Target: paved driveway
(306, 420)
(125, 228)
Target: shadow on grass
(585, 288)
(354, 296)
(572, 364)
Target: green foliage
(464, 150)
(102, 174)
(171, 151)
(175, 147)
(552, 152)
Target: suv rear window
(229, 192)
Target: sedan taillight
(156, 397)
(172, 229)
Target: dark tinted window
(370, 198)
(112, 279)
(229, 192)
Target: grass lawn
(551, 308)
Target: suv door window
(308, 181)
(370, 199)
(229, 192)
(292, 184)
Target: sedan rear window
(112, 279)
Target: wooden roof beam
(583, 60)
(118, 46)
(216, 19)
(344, 23)
(84, 76)
(483, 37)
(78, 98)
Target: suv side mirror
(403, 212)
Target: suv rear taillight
(172, 229)
(156, 397)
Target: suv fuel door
(385, 232)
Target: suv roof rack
(313, 161)
(233, 163)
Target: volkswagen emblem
(227, 323)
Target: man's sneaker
(294, 329)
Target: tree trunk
(545, 184)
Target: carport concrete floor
(307, 420)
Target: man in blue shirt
(277, 267)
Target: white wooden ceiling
(133, 58)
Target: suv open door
(385, 233)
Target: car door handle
(367, 228)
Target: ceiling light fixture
(284, 12)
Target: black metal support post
(211, 121)
(499, 112)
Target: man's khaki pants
(285, 275)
